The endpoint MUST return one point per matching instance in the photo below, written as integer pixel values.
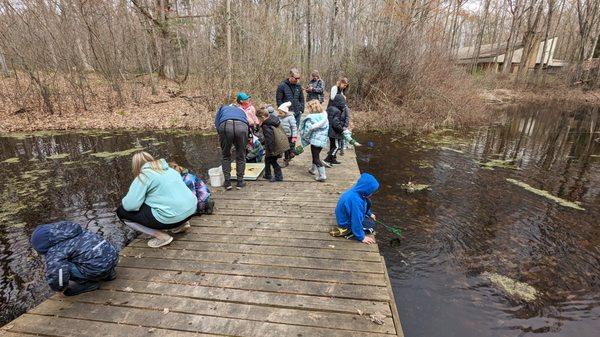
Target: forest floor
(189, 110)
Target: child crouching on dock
(198, 187)
(353, 210)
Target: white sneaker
(181, 229)
(156, 242)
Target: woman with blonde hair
(157, 200)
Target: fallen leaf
(377, 318)
(359, 312)
(151, 330)
(165, 311)
(128, 289)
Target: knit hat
(285, 107)
(40, 239)
(242, 96)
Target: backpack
(282, 143)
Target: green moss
(490, 165)
(148, 139)
(411, 187)
(158, 143)
(547, 195)
(424, 164)
(12, 160)
(111, 155)
(451, 149)
(58, 156)
(512, 287)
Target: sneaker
(181, 229)
(227, 185)
(240, 184)
(266, 177)
(339, 231)
(156, 242)
(326, 164)
(80, 288)
(341, 152)
(313, 170)
(335, 161)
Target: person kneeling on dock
(76, 255)
(157, 200)
(353, 210)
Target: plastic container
(216, 176)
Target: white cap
(285, 107)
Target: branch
(146, 13)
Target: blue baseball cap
(242, 96)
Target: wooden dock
(262, 265)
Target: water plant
(498, 163)
(547, 195)
(111, 155)
(512, 288)
(411, 187)
(451, 149)
(58, 156)
(11, 160)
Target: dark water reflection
(80, 187)
(472, 220)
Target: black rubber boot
(80, 288)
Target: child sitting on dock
(254, 150)
(198, 187)
(77, 260)
(353, 210)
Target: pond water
(45, 177)
(473, 225)
(470, 222)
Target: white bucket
(216, 177)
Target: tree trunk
(3, 65)
(512, 37)
(229, 57)
(308, 37)
(477, 50)
(530, 40)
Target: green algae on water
(58, 156)
(497, 163)
(547, 195)
(12, 160)
(158, 143)
(424, 164)
(512, 288)
(451, 149)
(111, 155)
(411, 187)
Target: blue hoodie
(230, 112)
(65, 243)
(354, 205)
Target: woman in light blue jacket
(313, 130)
(158, 199)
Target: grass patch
(547, 195)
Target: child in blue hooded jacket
(353, 210)
(74, 254)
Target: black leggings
(145, 217)
(333, 147)
(315, 151)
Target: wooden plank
(339, 244)
(260, 225)
(361, 292)
(59, 326)
(305, 274)
(273, 299)
(252, 259)
(184, 322)
(265, 233)
(269, 250)
(270, 219)
(342, 321)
